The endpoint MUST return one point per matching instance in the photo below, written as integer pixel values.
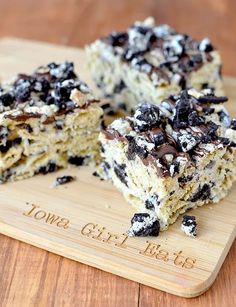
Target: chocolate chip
(120, 172)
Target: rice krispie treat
(170, 158)
(150, 62)
(47, 120)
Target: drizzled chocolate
(45, 92)
(178, 131)
(175, 54)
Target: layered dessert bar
(172, 157)
(47, 120)
(150, 62)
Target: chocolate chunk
(146, 116)
(203, 193)
(64, 179)
(120, 172)
(76, 160)
(49, 168)
(142, 224)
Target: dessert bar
(172, 157)
(149, 62)
(47, 120)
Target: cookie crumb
(63, 180)
(189, 225)
(144, 224)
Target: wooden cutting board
(87, 220)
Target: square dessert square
(149, 62)
(47, 120)
(172, 157)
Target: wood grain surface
(32, 277)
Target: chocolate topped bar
(47, 119)
(174, 156)
(149, 61)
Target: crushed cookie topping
(160, 50)
(46, 91)
(175, 132)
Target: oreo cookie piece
(62, 71)
(76, 160)
(146, 116)
(63, 180)
(203, 193)
(49, 168)
(120, 172)
(117, 38)
(189, 225)
(152, 202)
(144, 224)
(7, 99)
(182, 110)
(233, 124)
(211, 98)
